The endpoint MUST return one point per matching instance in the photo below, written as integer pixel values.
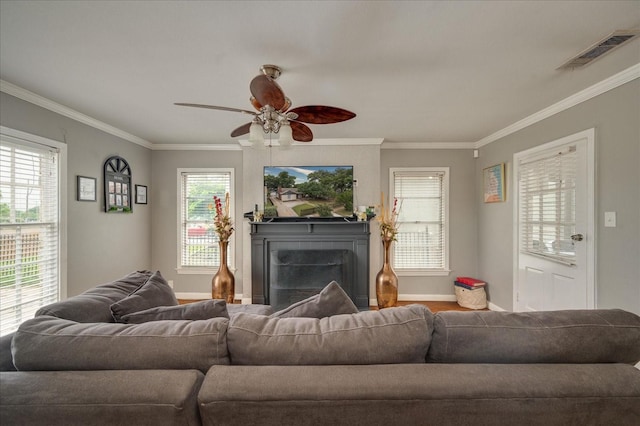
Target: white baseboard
(372, 302)
(494, 307)
(420, 298)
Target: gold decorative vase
(386, 280)
(223, 283)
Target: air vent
(606, 45)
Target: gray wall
(615, 115)
(100, 246)
(164, 194)
(462, 213)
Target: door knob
(577, 237)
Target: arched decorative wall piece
(117, 185)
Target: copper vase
(223, 283)
(386, 280)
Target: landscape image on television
(308, 191)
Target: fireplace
(291, 261)
(297, 274)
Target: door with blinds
(555, 238)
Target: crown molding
(194, 147)
(428, 145)
(25, 95)
(333, 142)
(604, 86)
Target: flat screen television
(308, 191)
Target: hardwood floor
(433, 306)
(437, 306)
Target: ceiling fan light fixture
(286, 135)
(256, 138)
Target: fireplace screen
(295, 275)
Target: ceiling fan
(273, 114)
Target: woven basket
(472, 299)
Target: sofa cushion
(61, 398)
(332, 300)
(155, 292)
(393, 335)
(575, 336)
(94, 304)
(422, 394)
(202, 310)
(49, 343)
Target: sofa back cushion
(576, 336)
(49, 343)
(94, 305)
(153, 293)
(332, 300)
(393, 335)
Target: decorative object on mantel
(274, 115)
(117, 185)
(223, 283)
(386, 279)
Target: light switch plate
(610, 219)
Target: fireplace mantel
(310, 235)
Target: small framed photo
(86, 188)
(141, 194)
(494, 191)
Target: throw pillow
(332, 300)
(202, 310)
(94, 304)
(155, 292)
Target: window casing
(422, 246)
(198, 248)
(32, 239)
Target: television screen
(308, 191)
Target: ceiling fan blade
(267, 92)
(320, 114)
(242, 130)
(244, 111)
(301, 132)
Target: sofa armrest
(6, 358)
(136, 397)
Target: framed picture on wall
(493, 178)
(86, 188)
(141, 194)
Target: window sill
(201, 270)
(422, 273)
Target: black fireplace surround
(291, 261)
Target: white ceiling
(412, 71)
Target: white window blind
(547, 205)
(29, 231)
(198, 239)
(421, 240)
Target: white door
(554, 211)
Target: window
(31, 240)
(422, 246)
(547, 186)
(198, 250)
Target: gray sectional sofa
(320, 361)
